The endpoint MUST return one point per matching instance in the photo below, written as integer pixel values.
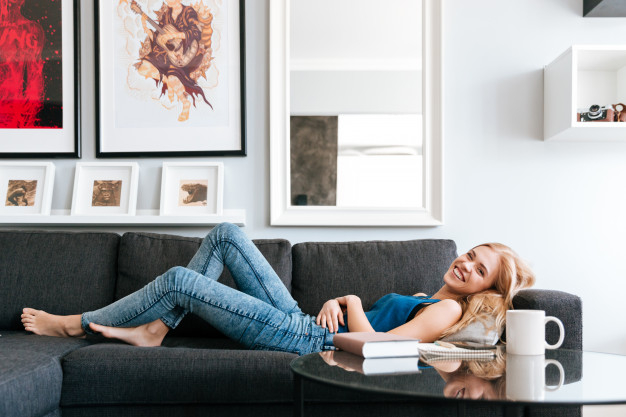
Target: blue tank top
(391, 311)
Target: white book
(376, 344)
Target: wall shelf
(604, 8)
(581, 76)
(142, 218)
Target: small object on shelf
(620, 114)
(192, 189)
(26, 188)
(105, 189)
(596, 113)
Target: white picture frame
(182, 186)
(26, 188)
(105, 189)
(216, 121)
(282, 211)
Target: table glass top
(560, 377)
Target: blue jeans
(261, 315)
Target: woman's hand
(328, 357)
(330, 316)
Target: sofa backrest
(144, 256)
(322, 271)
(59, 272)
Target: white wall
(561, 205)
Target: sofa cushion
(322, 271)
(60, 272)
(113, 373)
(54, 347)
(144, 256)
(30, 383)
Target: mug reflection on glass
(526, 376)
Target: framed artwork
(40, 82)
(195, 188)
(170, 78)
(104, 189)
(26, 188)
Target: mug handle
(561, 374)
(561, 332)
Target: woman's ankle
(73, 325)
(157, 328)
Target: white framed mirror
(356, 133)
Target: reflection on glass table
(563, 377)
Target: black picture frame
(56, 131)
(109, 143)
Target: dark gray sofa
(197, 371)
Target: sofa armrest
(567, 307)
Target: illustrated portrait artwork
(21, 193)
(31, 86)
(106, 193)
(193, 193)
(168, 63)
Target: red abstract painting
(31, 88)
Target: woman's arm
(331, 314)
(357, 320)
(431, 322)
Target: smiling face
(473, 272)
(469, 386)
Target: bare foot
(45, 324)
(149, 334)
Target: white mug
(526, 332)
(526, 376)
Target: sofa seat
(183, 371)
(30, 373)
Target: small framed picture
(104, 189)
(26, 188)
(195, 188)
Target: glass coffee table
(561, 378)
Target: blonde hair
(514, 274)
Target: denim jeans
(261, 315)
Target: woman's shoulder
(448, 306)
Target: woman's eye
(481, 272)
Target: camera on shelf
(597, 113)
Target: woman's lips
(457, 273)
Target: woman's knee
(226, 230)
(172, 275)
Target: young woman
(263, 315)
